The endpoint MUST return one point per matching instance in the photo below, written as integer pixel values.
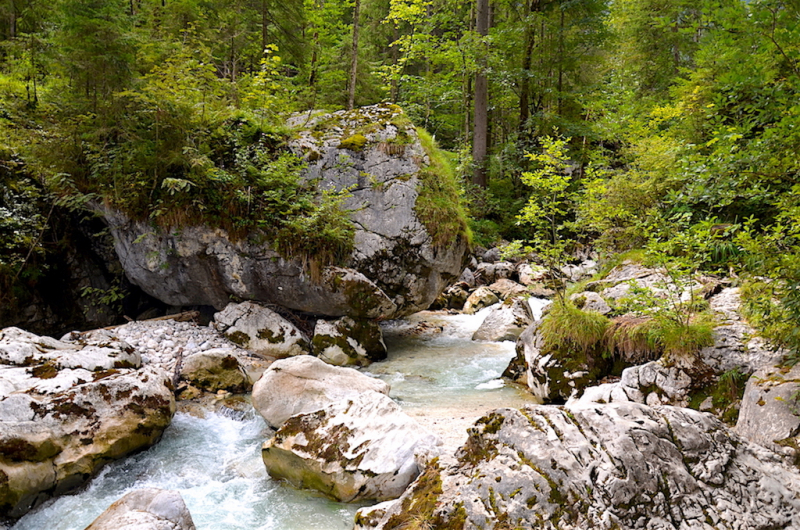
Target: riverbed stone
(146, 509)
(364, 448)
(505, 288)
(261, 330)
(347, 342)
(506, 321)
(608, 466)
(480, 298)
(530, 274)
(303, 384)
(396, 267)
(67, 409)
(216, 369)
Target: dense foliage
(671, 126)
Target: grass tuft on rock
(565, 325)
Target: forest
(665, 129)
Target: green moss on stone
(239, 338)
(354, 143)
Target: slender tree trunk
(560, 63)
(480, 134)
(395, 60)
(351, 93)
(264, 27)
(527, 59)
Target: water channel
(438, 374)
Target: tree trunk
(480, 134)
(351, 93)
(527, 60)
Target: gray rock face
(67, 409)
(769, 410)
(589, 301)
(507, 321)
(146, 509)
(346, 342)
(303, 384)
(261, 330)
(735, 343)
(531, 274)
(620, 466)
(365, 448)
(652, 383)
(491, 272)
(395, 268)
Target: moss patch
(440, 205)
(354, 143)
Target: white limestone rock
(480, 298)
(261, 330)
(769, 410)
(303, 384)
(65, 412)
(347, 342)
(506, 321)
(364, 448)
(146, 509)
(622, 466)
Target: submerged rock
(620, 466)
(365, 448)
(346, 342)
(67, 409)
(261, 330)
(398, 265)
(146, 509)
(303, 384)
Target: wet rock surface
(303, 384)
(68, 408)
(604, 466)
(506, 321)
(347, 342)
(146, 509)
(365, 448)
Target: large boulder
(146, 509)
(620, 466)
(401, 259)
(506, 321)
(347, 342)
(303, 384)
(261, 330)
(769, 412)
(67, 409)
(365, 448)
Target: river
(438, 374)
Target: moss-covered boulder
(261, 330)
(399, 239)
(620, 466)
(365, 448)
(216, 369)
(348, 342)
(67, 409)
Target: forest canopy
(664, 125)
